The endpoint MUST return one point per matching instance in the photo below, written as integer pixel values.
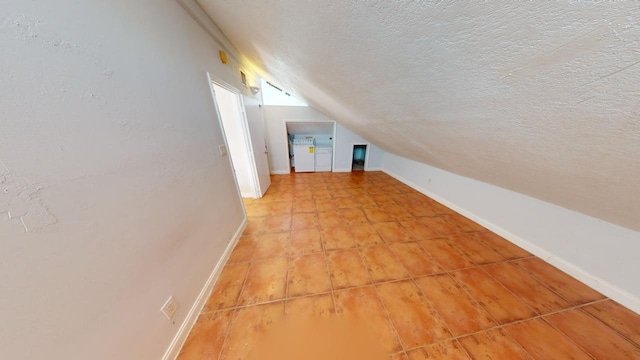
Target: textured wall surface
(536, 97)
(113, 195)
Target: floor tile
(445, 350)
(321, 194)
(249, 326)
(392, 232)
(415, 320)
(397, 212)
(302, 195)
(308, 275)
(419, 230)
(502, 246)
(475, 250)
(383, 200)
(207, 337)
(493, 344)
(398, 356)
(365, 202)
(305, 241)
(346, 269)
(277, 223)
(347, 202)
(364, 234)
(272, 245)
(440, 225)
(569, 288)
(376, 214)
(619, 318)
(337, 238)
(255, 225)
(544, 342)
(280, 207)
(329, 219)
(595, 337)
(258, 210)
(354, 215)
(340, 193)
(461, 313)
(420, 210)
(227, 289)
(440, 209)
(304, 221)
(499, 302)
(447, 255)
(311, 306)
(539, 297)
(437, 272)
(417, 261)
(362, 305)
(244, 250)
(265, 281)
(326, 205)
(382, 264)
(304, 206)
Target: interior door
(255, 122)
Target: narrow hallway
(426, 282)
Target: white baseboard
(373, 169)
(342, 170)
(191, 318)
(626, 299)
(280, 172)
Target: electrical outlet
(169, 308)
(223, 150)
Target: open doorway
(243, 127)
(359, 157)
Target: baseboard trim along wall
(608, 289)
(192, 316)
(342, 170)
(280, 172)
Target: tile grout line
(384, 307)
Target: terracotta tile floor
(421, 280)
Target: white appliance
(323, 158)
(304, 154)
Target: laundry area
(311, 146)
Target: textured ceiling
(542, 98)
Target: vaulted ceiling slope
(542, 98)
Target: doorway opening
(359, 157)
(310, 145)
(243, 129)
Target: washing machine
(304, 155)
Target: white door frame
(245, 130)
(224, 138)
(366, 155)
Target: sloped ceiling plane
(542, 98)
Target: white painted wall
(109, 156)
(232, 121)
(601, 254)
(277, 116)
(345, 139)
